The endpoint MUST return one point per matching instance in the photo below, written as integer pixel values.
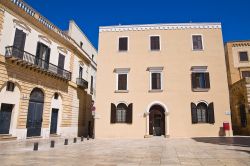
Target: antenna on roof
(120, 24)
(190, 21)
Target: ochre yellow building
(238, 73)
(47, 76)
(161, 79)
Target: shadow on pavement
(233, 141)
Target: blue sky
(91, 14)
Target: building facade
(238, 73)
(45, 75)
(161, 79)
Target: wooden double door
(34, 121)
(35, 113)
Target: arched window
(121, 113)
(56, 95)
(202, 113)
(10, 86)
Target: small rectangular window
(155, 43)
(56, 96)
(122, 81)
(243, 56)
(200, 81)
(10, 86)
(123, 44)
(197, 42)
(156, 81)
(245, 74)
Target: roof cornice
(175, 26)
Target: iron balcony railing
(82, 83)
(12, 51)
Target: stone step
(7, 137)
(54, 135)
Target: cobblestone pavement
(131, 152)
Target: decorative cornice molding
(155, 68)
(62, 49)
(121, 70)
(198, 68)
(45, 38)
(22, 25)
(180, 26)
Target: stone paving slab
(155, 151)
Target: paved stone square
(126, 152)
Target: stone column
(167, 124)
(147, 125)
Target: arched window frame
(202, 113)
(121, 113)
(121, 110)
(209, 113)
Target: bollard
(75, 139)
(88, 137)
(35, 146)
(93, 137)
(52, 144)
(82, 138)
(66, 142)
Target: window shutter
(211, 113)
(193, 81)
(19, 40)
(113, 113)
(129, 113)
(38, 52)
(38, 49)
(23, 41)
(207, 80)
(194, 113)
(47, 58)
(61, 61)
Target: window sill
(121, 91)
(203, 123)
(197, 49)
(155, 91)
(244, 61)
(122, 51)
(155, 50)
(200, 90)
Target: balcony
(30, 60)
(82, 83)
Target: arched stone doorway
(35, 113)
(156, 121)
